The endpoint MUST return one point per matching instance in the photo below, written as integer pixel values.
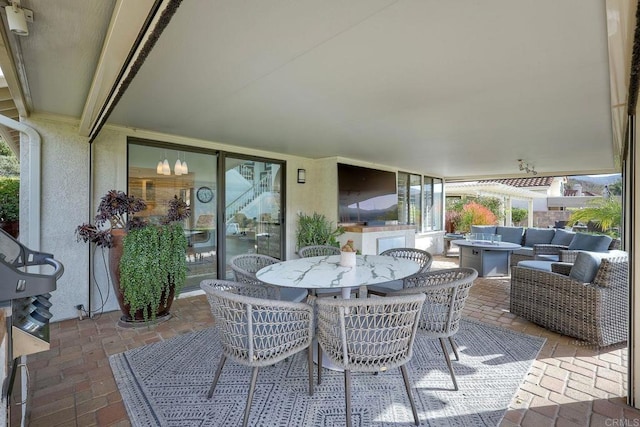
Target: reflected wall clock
(204, 194)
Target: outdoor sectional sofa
(547, 244)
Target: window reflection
(156, 181)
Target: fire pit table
(487, 257)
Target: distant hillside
(593, 183)
(597, 179)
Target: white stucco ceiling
(451, 88)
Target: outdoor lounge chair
(589, 303)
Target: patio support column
(530, 214)
(507, 211)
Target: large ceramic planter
(115, 253)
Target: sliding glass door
(252, 207)
(190, 175)
(234, 211)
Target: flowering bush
(475, 214)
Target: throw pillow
(585, 267)
(590, 242)
(562, 237)
(538, 236)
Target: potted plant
(146, 260)
(316, 229)
(10, 205)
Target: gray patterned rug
(165, 384)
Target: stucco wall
(63, 206)
(65, 198)
(65, 190)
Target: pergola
(495, 189)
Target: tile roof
(537, 181)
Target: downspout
(34, 161)
(33, 230)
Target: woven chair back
(423, 258)
(245, 267)
(368, 334)
(255, 331)
(246, 289)
(446, 292)
(318, 250)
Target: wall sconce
(302, 176)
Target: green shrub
(9, 199)
(316, 229)
(518, 214)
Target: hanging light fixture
(185, 168)
(166, 170)
(159, 167)
(178, 167)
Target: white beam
(127, 20)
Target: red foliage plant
(475, 214)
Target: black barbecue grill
(26, 279)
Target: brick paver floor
(570, 383)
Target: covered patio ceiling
(455, 89)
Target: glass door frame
(220, 190)
(222, 234)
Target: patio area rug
(165, 384)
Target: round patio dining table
(325, 272)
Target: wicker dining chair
(257, 332)
(446, 292)
(245, 267)
(423, 258)
(368, 335)
(318, 250)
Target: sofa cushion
(510, 234)
(484, 229)
(538, 236)
(524, 251)
(549, 257)
(536, 265)
(590, 243)
(563, 237)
